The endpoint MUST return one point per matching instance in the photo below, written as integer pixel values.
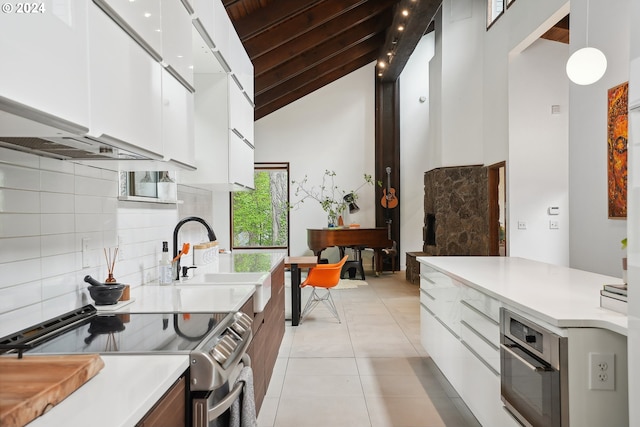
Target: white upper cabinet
(125, 88)
(44, 60)
(177, 122)
(241, 157)
(240, 64)
(240, 113)
(142, 19)
(177, 53)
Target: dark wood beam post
(387, 154)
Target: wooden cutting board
(31, 386)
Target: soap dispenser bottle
(164, 266)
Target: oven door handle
(525, 362)
(226, 402)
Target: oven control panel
(232, 338)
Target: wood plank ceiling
(299, 46)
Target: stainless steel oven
(534, 379)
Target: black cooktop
(87, 331)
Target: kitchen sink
(261, 280)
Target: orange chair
(325, 276)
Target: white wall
(329, 129)
(539, 152)
(595, 239)
(414, 130)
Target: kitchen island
(460, 303)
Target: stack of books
(614, 297)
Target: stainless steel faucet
(210, 233)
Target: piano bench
(352, 267)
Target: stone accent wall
(456, 207)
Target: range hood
(26, 129)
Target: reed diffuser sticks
(111, 263)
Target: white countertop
(561, 296)
(119, 395)
(185, 298)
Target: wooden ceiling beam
(262, 111)
(368, 48)
(278, 54)
(403, 43)
(265, 18)
(265, 79)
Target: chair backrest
(325, 275)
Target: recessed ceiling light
(389, 53)
(147, 14)
(381, 64)
(405, 12)
(379, 74)
(400, 27)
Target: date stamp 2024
(23, 8)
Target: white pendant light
(587, 65)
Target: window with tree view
(260, 218)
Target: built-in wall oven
(215, 344)
(534, 379)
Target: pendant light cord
(587, 32)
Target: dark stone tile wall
(456, 207)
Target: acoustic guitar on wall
(389, 199)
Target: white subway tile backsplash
(56, 182)
(56, 203)
(47, 206)
(19, 158)
(88, 204)
(57, 223)
(19, 201)
(58, 265)
(14, 297)
(17, 272)
(56, 244)
(17, 225)
(65, 284)
(19, 248)
(47, 164)
(19, 178)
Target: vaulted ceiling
(299, 46)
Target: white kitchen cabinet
(459, 332)
(240, 63)
(240, 113)
(125, 87)
(141, 19)
(240, 162)
(177, 51)
(45, 61)
(221, 27)
(177, 122)
(224, 160)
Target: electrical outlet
(554, 224)
(602, 371)
(522, 225)
(86, 261)
(121, 254)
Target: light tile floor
(368, 371)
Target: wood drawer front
(486, 351)
(483, 303)
(484, 325)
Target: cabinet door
(177, 50)
(170, 410)
(142, 19)
(45, 60)
(240, 113)
(221, 26)
(177, 121)
(125, 87)
(240, 162)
